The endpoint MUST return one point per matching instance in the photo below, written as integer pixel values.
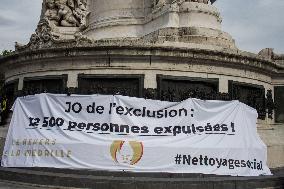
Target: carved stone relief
(111, 85)
(67, 13)
(158, 4)
(163, 2)
(198, 1)
(44, 84)
(178, 89)
(56, 15)
(169, 89)
(42, 36)
(252, 95)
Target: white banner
(121, 133)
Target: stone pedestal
(187, 23)
(148, 48)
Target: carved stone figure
(71, 4)
(51, 12)
(198, 1)
(67, 13)
(81, 12)
(159, 3)
(67, 17)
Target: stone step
(121, 180)
(20, 185)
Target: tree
(6, 53)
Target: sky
(254, 24)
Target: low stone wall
(119, 180)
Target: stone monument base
(120, 180)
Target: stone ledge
(15, 185)
(226, 58)
(133, 180)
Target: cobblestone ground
(14, 185)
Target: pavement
(19, 185)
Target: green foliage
(6, 53)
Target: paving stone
(134, 181)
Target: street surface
(14, 185)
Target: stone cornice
(226, 58)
